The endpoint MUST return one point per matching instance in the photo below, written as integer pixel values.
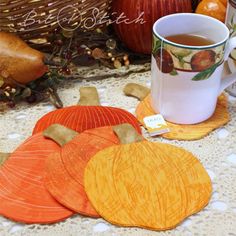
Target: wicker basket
(34, 20)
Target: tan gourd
(18, 62)
(179, 132)
(146, 184)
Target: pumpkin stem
(3, 157)
(89, 97)
(136, 90)
(127, 134)
(60, 134)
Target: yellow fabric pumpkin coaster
(144, 184)
(177, 131)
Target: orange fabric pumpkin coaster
(23, 196)
(177, 131)
(87, 115)
(65, 170)
(144, 184)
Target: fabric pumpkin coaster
(144, 184)
(23, 197)
(88, 114)
(179, 131)
(65, 170)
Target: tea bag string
(161, 79)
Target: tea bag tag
(156, 125)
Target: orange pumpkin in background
(142, 14)
(213, 8)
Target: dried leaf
(117, 64)
(26, 93)
(98, 53)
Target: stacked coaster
(65, 170)
(145, 184)
(107, 170)
(177, 131)
(23, 196)
(87, 114)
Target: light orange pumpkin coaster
(144, 184)
(64, 171)
(177, 131)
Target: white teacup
(186, 80)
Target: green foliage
(174, 72)
(156, 44)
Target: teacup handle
(229, 79)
